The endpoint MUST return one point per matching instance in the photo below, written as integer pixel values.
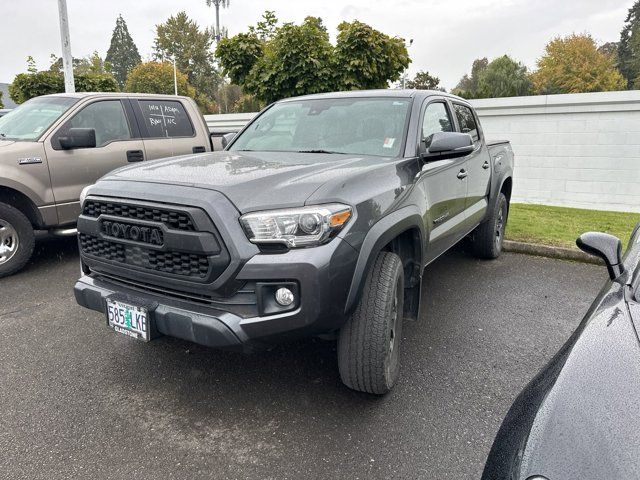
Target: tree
(29, 85)
(468, 85)
(157, 77)
(273, 62)
(91, 64)
(610, 49)
(1, 104)
(573, 64)
(629, 47)
(367, 58)
(181, 38)
(504, 77)
(123, 54)
(424, 81)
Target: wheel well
(506, 188)
(408, 246)
(23, 203)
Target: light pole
(404, 75)
(175, 77)
(67, 59)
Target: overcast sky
(448, 34)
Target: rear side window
(467, 121)
(165, 118)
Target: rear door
(117, 143)
(167, 128)
(477, 165)
(444, 187)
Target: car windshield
(32, 118)
(361, 126)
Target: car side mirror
(226, 139)
(605, 246)
(449, 145)
(78, 138)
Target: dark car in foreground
(317, 219)
(579, 417)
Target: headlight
(296, 227)
(83, 194)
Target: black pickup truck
(318, 218)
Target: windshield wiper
(318, 150)
(3, 135)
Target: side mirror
(605, 246)
(449, 145)
(78, 138)
(226, 139)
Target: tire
(489, 235)
(17, 240)
(369, 343)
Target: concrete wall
(579, 150)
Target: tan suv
(53, 146)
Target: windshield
(361, 126)
(32, 118)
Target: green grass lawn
(561, 226)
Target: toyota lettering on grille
(135, 233)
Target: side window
(108, 119)
(166, 118)
(436, 119)
(467, 121)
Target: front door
(444, 183)
(72, 170)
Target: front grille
(171, 218)
(189, 251)
(174, 263)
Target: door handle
(198, 149)
(135, 156)
(462, 174)
(485, 165)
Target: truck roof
(391, 93)
(113, 94)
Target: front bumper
(323, 275)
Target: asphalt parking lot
(78, 401)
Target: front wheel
(17, 240)
(489, 236)
(369, 343)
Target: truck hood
(6, 143)
(252, 180)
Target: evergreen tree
(123, 54)
(629, 48)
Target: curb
(562, 253)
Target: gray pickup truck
(53, 146)
(317, 219)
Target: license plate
(129, 320)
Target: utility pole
(217, 4)
(67, 59)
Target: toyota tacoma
(316, 220)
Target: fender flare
(385, 230)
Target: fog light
(284, 297)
